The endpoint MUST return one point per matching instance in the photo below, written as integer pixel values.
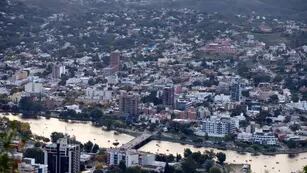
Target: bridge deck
(136, 141)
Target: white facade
(29, 166)
(58, 71)
(218, 127)
(244, 136)
(93, 93)
(131, 157)
(96, 94)
(264, 138)
(33, 87)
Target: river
(84, 132)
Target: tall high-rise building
(168, 96)
(115, 61)
(235, 91)
(129, 103)
(62, 157)
(58, 71)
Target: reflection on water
(260, 164)
(84, 132)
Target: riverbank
(84, 132)
(237, 149)
(174, 138)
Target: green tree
(122, 166)
(35, 153)
(88, 147)
(198, 157)
(274, 98)
(178, 157)
(215, 170)
(96, 114)
(7, 164)
(295, 97)
(189, 165)
(55, 136)
(95, 148)
(305, 169)
(208, 164)
(168, 168)
(221, 157)
(27, 104)
(4, 163)
(135, 170)
(187, 152)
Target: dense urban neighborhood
(229, 82)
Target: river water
(84, 132)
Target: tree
(35, 153)
(88, 147)
(274, 98)
(178, 157)
(122, 166)
(221, 157)
(198, 157)
(55, 136)
(152, 98)
(96, 114)
(4, 162)
(98, 171)
(245, 93)
(91, 81)
(27, 104)
(215, 170)
(294, 127)
(208, 164)
(168, 168)
(261, 78)
(305, 169)
(228, 137)
(189, 165)
(187, 152)
(135, 170)
(95, 148)
(295, 97)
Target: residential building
(33, 87)
(168, 96)
(129, 103)
(62, 157)
(183, 104)
(93, 93)
(264, 138)
(28, 165)
(235, 91)
(115, 61)
(20, 75)
(58, 71)
(218, 127)
(130, 157)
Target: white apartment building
(130, 157)
(96, 94)
(28, 165)
(218, 127)
(33, 87)
(264, 138)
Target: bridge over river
(138, 142)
